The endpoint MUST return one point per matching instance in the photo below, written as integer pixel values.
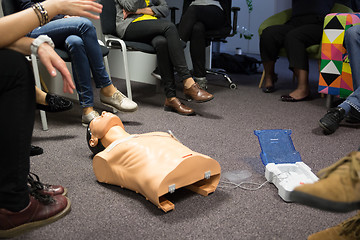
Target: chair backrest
(108, 17)
(9, 7)
(223, 32)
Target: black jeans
(164, 37)
(17, 104)
(193, 26)
(296, 35)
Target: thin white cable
(239, 185)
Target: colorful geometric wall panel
(335, 72)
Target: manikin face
(99, 126)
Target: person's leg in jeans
(352, 44)
(350, 108)
(77, 35)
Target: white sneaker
(86, 119)
(119, 101)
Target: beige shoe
(86, 119)
(338, 189)
(347, 230)
(119, 101)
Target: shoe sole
(326, 130)
(13, 232)
(121, 110)
(323, 204)
(170, 109)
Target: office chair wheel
(232, 86)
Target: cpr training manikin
(153, 164)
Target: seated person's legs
(170, 55)
(271, 41)
(350, 108)
(192, 27)
(78, 36)
(296, 42)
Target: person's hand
(84, 8)
(126, 13)
(52, 61)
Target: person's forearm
(147, 11)
(15, 26)
(22, 45)
(28, 17)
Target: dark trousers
(17, 104)
(193, 26)
(295, 36)
(164, 37)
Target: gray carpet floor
(223, 129)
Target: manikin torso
(152, 164)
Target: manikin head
(98, 128)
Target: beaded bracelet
(41, 13)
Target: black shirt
(311, 7)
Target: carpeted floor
(223, 129)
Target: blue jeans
(77, 36)
(352, 44)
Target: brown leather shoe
(197, 94)
(36, 214)
(47, 189)
(176, 106)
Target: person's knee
(353, 33)
(83, 22)
(292, 40)
(20, 64)
(267, 34)
(73, 42)
(199, 27)
(159, 43)
(18, 67)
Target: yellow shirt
(145, 16)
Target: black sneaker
(330, 121)
(353, 116)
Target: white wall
(262, 9)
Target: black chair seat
(136, 46)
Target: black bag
(236, 63)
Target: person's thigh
(58, 30)
(145, 31)
(211, 16)
(309, 34)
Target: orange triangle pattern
(322, 81)
(334, 52)
(347, 79)
(336, 83)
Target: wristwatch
(38, 41)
